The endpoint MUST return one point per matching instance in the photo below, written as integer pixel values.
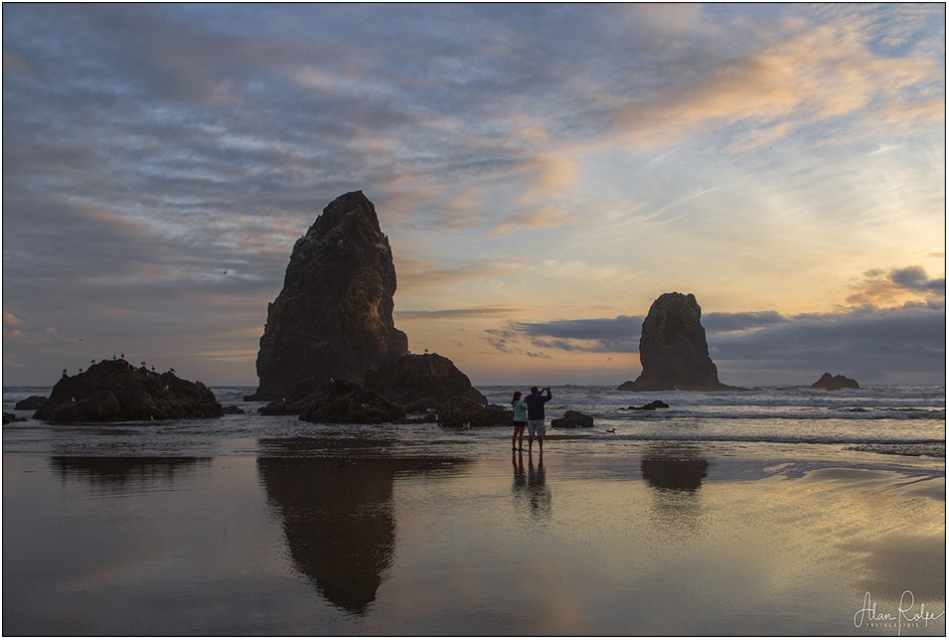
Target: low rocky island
(115, 391)
(31, 404)
(835, 383)
(413, 378)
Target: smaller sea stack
(673, 350)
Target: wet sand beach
(367, 535)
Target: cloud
(416, 273)
(719, 322)
(898, 286)
(473, 312)
(813, 75)
(867, 342)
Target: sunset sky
(543, 172)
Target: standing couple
(529, 413)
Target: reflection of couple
(534, 481)
(529, 413)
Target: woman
(520, 421)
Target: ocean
(771, 510)
(900, 420)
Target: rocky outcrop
(346, 403)
(11, 417)
(114, 390)
(333, 317)
(412, 378)
(464, 412)
(834, 383)
(31, 404)
(673, 350)
(337, 402)
(650, 406)
(572, 420)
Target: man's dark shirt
(535, 405)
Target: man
(535, 418)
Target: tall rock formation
(673, 350)
(333, 317)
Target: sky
(543, 172)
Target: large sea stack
(333, 318)
(673, 350)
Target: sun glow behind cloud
(533, 165)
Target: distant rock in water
(572, 420)
(652, 406)
(414, 378)
(114, 390)
(31, 404)
(11, 417)
(673, 350)
(333, 317)
(833, 383)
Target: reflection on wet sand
(337, 512)
(674, 466)
(675, 472)
(124, 473)
(531, 491)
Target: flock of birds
(122, 357)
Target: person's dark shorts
(520, 423)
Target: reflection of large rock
(673, 350)
(674, 468)
(126, 473)
(333, 317)
(834, 383)
(339, 518)
(414, 377)
(114, 390)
